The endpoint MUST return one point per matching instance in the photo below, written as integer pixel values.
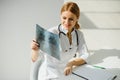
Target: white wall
(17, 29)
(100, 23)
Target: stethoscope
(61, 32)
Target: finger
(36, 43)
(66, 72)
(34, 47)
(70, 71)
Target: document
(89, 72)
(49, 42)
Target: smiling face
(69, 16)
(68, 20)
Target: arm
(82, 51)
(75, 62)
(80, 59)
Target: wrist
(71, 63)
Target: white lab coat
(51, 68)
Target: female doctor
(73, 47)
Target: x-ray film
(49, 42)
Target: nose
(67, 21)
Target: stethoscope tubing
(61, 32)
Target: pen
(99, 67)
(79, 76)
(114, 77)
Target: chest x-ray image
(49, 42)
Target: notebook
(89, 72)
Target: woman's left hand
(68, 68)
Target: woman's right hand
(35, 50)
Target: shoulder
(54, 30)
(79, 32)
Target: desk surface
(108, 58)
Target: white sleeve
(41, 55)
(82, 50)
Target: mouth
(67, 25)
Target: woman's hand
(34, 45)
(68, 68)
(74, 62)
(35, 50)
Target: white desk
(108, 58)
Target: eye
(64, 18)
(71, 19)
